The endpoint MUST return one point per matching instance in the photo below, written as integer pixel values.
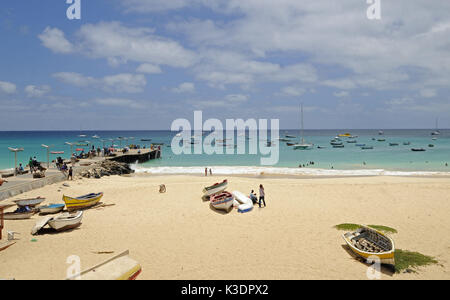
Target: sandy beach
(176, 235)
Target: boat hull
(66, 221)
(17, 216)
(385, 257)
(216, 188)
(83, 202)
(223, 201)
(51, 209)
(29, 202)
(246, 204)
(120, 267)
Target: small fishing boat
(222, 201)
(407, 143)
(29, 202)
(352, 141)
(344, 135)
(82, 202)
(381, 140)
(284, 140)
(336, 143)
(302, 145)
(339, 146)
(430, 145)
(290, 144)
(246, 204)
(215, 188)
(360, 145)
(66, 221)
(95, 137)
(290, 136)
(146, 140)
(57, 152)
(393, 144)
(18, 215)
(381, 132)
(367, 243)
(418, 149)
(120, 267)
(367, 147)
(51, 209)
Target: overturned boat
(215, 188)
(246, 204)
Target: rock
(107, 168)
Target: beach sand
(176, 235)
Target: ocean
(350, 160)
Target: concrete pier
(25, 183)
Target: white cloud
(341, 94)
(7, 87)
(343, 84)
(186, 87)
(293, 91)
(236, 98)
(428, 93)
(33, 91)
(119, 102)
(54, 39)
(120, 44)
(149, 69)
(121, 83)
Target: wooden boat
(66, 221)
(336, 143)
(393, 144)
(222, 201)
(418, 149)
(18, 215)
(215, 188)
(6, 244)
(381, 140)
(82, 202)
(338, 146)
(120, 267)
(290, 144)
(29, 202)
(367, 242)
(352, 141)
(367, 147)
(51, 209)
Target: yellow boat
(120, 267)
(82, 202)
(369, 243)
(345, 135)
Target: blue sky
(140, 64)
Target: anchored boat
(82, 202)
(367, 243)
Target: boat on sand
(222, 201)
(29, 202)
(215, 188)
(51, 209)
(246, 204)
(66, 221)
(370, 244)
(18, 215)
(82, 202)
(120, 267)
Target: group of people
(206, 172)
(34, 165)
(261, 196)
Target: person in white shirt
(261, 195)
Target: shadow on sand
(385, 269)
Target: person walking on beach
(261, 195)
(206, 171)
(70, 174)
(210, 172)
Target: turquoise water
(351, 157)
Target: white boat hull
(66, 221)
(246, 204)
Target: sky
(141, 64)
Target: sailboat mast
(301, 109)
